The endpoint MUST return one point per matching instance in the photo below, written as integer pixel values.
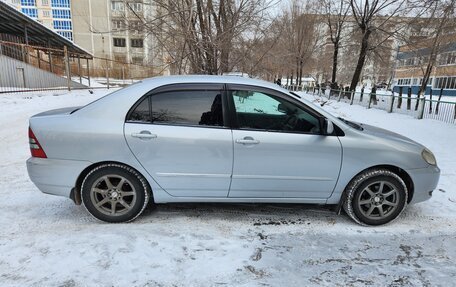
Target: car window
(141, 113)
(255, 102)
(188, 108)
(257, 110)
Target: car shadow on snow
(255, 213)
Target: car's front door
(279, 150)
(180, 138)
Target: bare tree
(336, 12)
(301, 35)
(199, 35)
(444, 13)
(372, 16)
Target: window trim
(240, 87)
(229, 112)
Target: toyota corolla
(222, 139)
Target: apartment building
(54, 14)
(116, 30)
(411, 63)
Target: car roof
(214, 79)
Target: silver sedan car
(222, 139)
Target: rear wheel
(376, 197)
(115, 193)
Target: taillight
(35, 147)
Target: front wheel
(114, 193)
(375, 197)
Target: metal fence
(26, 68)
(444, 111)
(395, 103)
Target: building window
(119, 42)
(28, 3)
(31, 12)
(136, 7)
(117, 6)
(403, 82)
(45, 2)
(62, 25)
(61, 14)
(445, 83)
(135, 26)
(137, 43)
(60, 3)
(137, 60)
(46, 13)
(66, 34)
(447, 59)
(118, 24)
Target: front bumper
(425, 180)
(55, 176)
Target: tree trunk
(334, 68)
(361, 60)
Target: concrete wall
(17, 74)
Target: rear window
(195, 108)
(141, 113)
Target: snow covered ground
(48, 241)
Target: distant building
(116, 30)
(411, 62)
(54, 14)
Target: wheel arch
(395, 169)
(76, 192)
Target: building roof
(16, 23)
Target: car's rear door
(279, 150)
(179, 135)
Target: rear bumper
(55, 176)
(425, 180)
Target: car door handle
(247, 140)
(144, 135)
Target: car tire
(115, 193)
(375, 197)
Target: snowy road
(48, 241)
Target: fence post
(399, 100)
(390, 109)
(421, 108)
(51, 68)
(340, 95)
(79, 68)
(38, 56)
(430, 102)
(88, 70)
(107, 73)
(409, 98)
(352, 97)
(438, 102)
(67, 66)
(123, 75)
(24, 56)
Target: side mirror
(281, 108)
(329, 127)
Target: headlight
(428, 157)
